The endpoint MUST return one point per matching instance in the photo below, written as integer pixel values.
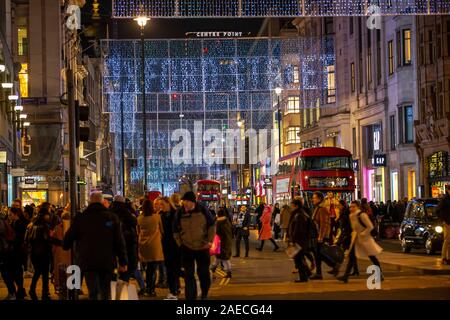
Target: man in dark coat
(300, 233)
(99, 242)
(242, 228)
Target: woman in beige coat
(363, 245)
(150, 243)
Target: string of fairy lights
(214, 81)
(273, 8)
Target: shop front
(34, 190)
(374, 179)
(438, 173)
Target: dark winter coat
(170, 248)
(300, 229)
(128, 223)
(99, 239)
(224, 231)
(344, 237)
(38, 238)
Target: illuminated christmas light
(273, 8)
(186, 83)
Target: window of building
(406, 128)
(351, 25)
(293, 135)
(305, 117)
(296, 74)
(378, 57)
(331, 93)
(352, 77)
(22, 41)
(391, 57)
(23, 80)
(430, 47)
(354, 140)
(311, 115)
(393, 134)
(406, 46)
(399, 49)
(369, 67)
(329, 25)
(317, 109)
(293, 105)
(360, 75)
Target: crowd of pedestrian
(163, 240)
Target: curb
(422, 270)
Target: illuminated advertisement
(328, 182)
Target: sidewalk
(424, 264)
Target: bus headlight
(438, 229)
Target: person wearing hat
(194, 231)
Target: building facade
(432, 124)
(370, 104)
(9, 85)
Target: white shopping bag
(122, 290)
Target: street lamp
(2, 68)
(13, 97)
(18, 108)
(7, 85)
(278, 92)
(23, 116)
(142, 22)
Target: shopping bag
(215, 248)
(293, 250)
(121, 290)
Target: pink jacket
(266, 228)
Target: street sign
(379, 160)
(29, 181)
(18, 172)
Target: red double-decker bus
(208, 190)
(324, 169)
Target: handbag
(293, 250)
(215, 248)
(334, 254)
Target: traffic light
(82, 114)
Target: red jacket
(266, 227)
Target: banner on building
(46, 147)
